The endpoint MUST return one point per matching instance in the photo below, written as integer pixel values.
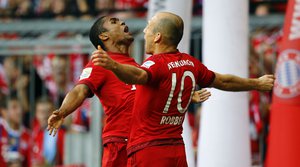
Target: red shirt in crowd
(14, 145)
(160, 105)
(116, 97)
(37, 149)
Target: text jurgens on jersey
(180, 63)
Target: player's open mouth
(126, 29)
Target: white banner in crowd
(224, 130)
(183, 8)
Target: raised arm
(70, 103)
(126, 73)
(229, 82)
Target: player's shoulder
(91, 69)
(90, 66)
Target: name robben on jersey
(171, 120)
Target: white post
(182, 8)
(224, 131)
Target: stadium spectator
(61, 79)
(3, 112)
(3, 83)
(17, 81)
(157, 118)
(18, 72)
(60, 83)
(104, 6)
(263, 53)
(85, 9)
(131, 8)
(15, 138)
(45, 150)
(15, 9)
(41, 8)
(59, 9)
(266, 7)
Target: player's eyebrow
(114, 19)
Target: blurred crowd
(263, 54)
(31, 87)
(265, 7)
(69, 9)
(87, 9)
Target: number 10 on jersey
(179, 99)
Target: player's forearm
(234, 83)
(130, 74)
(73, 100)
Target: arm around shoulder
(126, 73)
(130, 74)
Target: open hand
(200, 96)
(54, 122)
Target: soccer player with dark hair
(167, 81)
(116, 97)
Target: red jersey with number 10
(116, 96)
(160, 104)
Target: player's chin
(148, 51)
(130, 38)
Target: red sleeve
(92, 76)
(152, 67)
(206, 76)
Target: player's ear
(103, 36)
(158, 37)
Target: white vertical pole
(96, 132)
(182, 8)
(224, 132)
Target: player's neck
(123, 49)
(158, 49)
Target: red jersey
(117, 97)
(160, 105)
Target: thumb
(56, 112)
(100, 48)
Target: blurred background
(44, 46)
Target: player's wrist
(257, 84)
(60, 114)
(115, 66)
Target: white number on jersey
(179, 100)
